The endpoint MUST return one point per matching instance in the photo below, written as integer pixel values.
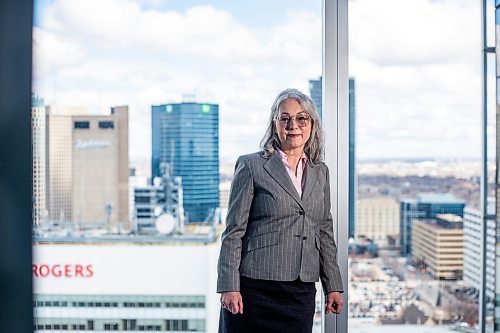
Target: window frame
(335, 101)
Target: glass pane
(140, 110)
(415, 246)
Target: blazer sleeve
(329, 269)
(240, 201)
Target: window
(407, 159)
(106, 124)
(81, 125)
(90, 201)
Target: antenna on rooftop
(189, 97)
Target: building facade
(377, 219)
(316, 93)
(39, 153)
(425, 206)
(438, 245)
(124, 286)
(146, 200)
(472, 249)
(165, 196)
(224, 189)
(88, 166)
(186, 135)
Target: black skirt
(272, 306)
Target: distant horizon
(370, 159)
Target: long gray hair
(314, 146)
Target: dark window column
(16, 17)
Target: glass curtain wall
(414, 249)
(139, 112)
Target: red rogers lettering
(63, 270)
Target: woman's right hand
(232, 301)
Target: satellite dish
(165, 224)
(158, 210)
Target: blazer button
(304, 238)
(302, 212)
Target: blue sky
(418, 85)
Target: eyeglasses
(302, 119)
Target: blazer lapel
(311, 175)
(274, 166)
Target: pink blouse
(299, 179)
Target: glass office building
(316, 92)
(186, 135)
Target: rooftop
(439, 198)
(435, 225)
(451, 218)
(201, 234)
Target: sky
(416, 64)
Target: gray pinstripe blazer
(272, 233)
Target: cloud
(417, 71)
(50, 53)
(392, 32)
(416, 65)
(142, 57)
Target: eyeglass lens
(302, 119)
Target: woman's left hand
(334, 302)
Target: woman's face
(293, 125)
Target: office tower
(425, 206)
(38, 145)
(438, 245)
(60, 161)
(186, 135)
(472, 248)
(315, 90)
(88, 166)
(377, 219)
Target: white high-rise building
(377, 218)
(38, 133)
(472, 248)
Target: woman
(279, 235)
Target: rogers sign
(63, 270)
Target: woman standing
(279, 236)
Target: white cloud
(416, 65)
(50, 53)
(143, 57)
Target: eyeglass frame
(285, 125)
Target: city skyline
(414, 98)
